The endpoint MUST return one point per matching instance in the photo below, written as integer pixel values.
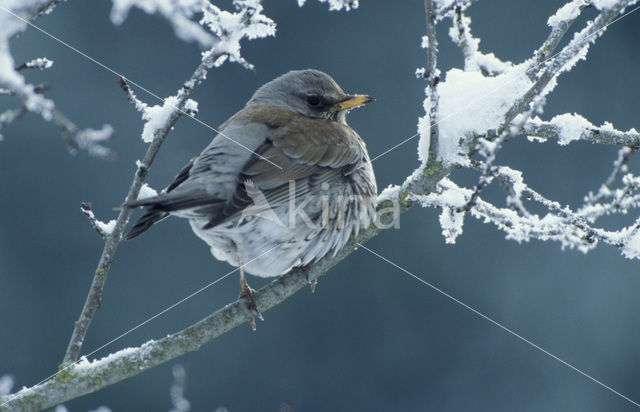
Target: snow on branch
(336, 5)
(14, 18)
(217, 31)
(490, 102)
(567, 128)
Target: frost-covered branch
(103, 229)
(533, 99)
(619, 166)
(15, 16)
(567, 128)
(559, 23)
(229, 29)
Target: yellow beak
(353, 101)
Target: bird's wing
(304, 150)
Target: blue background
(370, 338)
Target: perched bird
(285, 182)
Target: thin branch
(624, 155)
(432, 75)
(103, 229)
(601, 135)
(558, 30)
(452, 5)
(94, 298)
(11, 115)
(83, 139)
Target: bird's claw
(247, 293)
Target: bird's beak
(353, 101)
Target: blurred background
(371, 338)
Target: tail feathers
(150, 217)
(159, 207)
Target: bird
(284, 183)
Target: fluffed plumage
(302, 183)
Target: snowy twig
(447, 6)
(40, 63)
(604, 134)
(85, 139)
(560, 23)
(11, 115)
(103, 229)
(624, 154)
(524, 107)
(474, 60)
(13, 21)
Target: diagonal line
(139, 325)
(496, 323)
(137, 85)
(496, 89)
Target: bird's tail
(151, 216)
(159, 207)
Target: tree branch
(432, 74)
(524, 107)
(601, 134)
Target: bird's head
(310, 93)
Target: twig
(432, 75)
(624, 154)
(100, 227)
(39, 63)
(600, 135)
(558, 31)
(94, 297)
(447, 8)
(83, 139)
(11, 115)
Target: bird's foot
(247, 293)
(312, 282)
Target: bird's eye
(313, 100)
